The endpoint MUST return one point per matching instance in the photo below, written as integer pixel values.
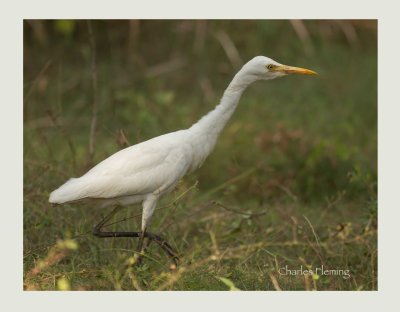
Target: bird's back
(148, 167)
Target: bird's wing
(150, 167)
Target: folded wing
(149, 167)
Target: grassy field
(291, 184)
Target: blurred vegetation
(300, 151)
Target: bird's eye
(270, 66)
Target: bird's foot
(168, 249)
(171, 252)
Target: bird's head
(262, 67)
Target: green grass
(298, 159)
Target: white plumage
(148, 167)
(148, 170)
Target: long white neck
(213, 123)
(206, 131)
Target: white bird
(144, 172)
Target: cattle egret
(144, 172)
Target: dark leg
(97, 231)
(164, 245)
(97, 228)
(139, 248)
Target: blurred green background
(300, 150)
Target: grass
(292, 182)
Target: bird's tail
(69, 191)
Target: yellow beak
(294, 70)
